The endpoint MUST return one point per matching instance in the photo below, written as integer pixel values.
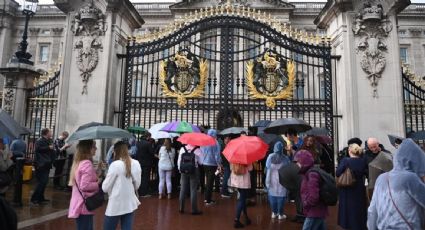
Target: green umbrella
(99, 132)
(136, 129)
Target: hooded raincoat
(407, 191)
(274, 162)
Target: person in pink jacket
(83, 175)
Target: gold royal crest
(270, 77)
(183, 77)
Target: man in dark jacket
(44, 156)
(145, 156)
(60, 158)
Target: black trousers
(59, 164)
(144, 185)
(202, 178)
(210, 174)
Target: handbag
(93, 202)
(396, 208)
(346, 179)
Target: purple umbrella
(180, 127)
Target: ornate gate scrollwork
(270, 77)
(183, 76)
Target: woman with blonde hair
(240, 178)
(121, 184)
(83, 178)
(165, 167)
(352, 210)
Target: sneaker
(34, 204)
(210, 203)
(205, 201)
(197, 213)
(274, 215)
(282, 217)
(160, 196)
(225, 195)
(169, 196)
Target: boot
(238, 224)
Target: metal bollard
(17, 196)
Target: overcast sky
(51, 1)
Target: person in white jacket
(165, 167)
(121, 184)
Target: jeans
(189, 181)
(241, 204)
(314, 224)
(277, 203)
(144, 185)
(111, 222)
(59, 163)
(84, 222)
(226, 176)
(210, 173)
(42, 176)
(164, 177)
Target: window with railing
(43, 54)
(404, 55)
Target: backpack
(328, 190)
(187, 161)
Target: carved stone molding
(372, 26)
(9, 93)
(89, 25)
(34, 31)
(415, 31)
(57, 31)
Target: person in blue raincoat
(398, 201)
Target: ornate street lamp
(28, 8)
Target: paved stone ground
(159, 214)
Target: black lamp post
(28, 8)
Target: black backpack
(187, 161)
(328, 190)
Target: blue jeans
(111, 222)
(241, 204)
(226, 176)
(42, 176)
(311, 223)
(277, 203)
(84, 222)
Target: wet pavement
(161, 214)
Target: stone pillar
(368, 78)
(96, 32)
(19, 78)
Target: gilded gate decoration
(183, 76)
(270, 77)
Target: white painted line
(38, 220)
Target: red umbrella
(196, 139)
(245, 150)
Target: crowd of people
(385, 190)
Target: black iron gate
(41, 108)
(250, 61)
(414, 101)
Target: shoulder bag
(346, 179)
(92, 202)
(396, 208)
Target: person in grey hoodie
(399, 198)
(277, 193)
(211, 161)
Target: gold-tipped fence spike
(243, 11)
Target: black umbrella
(417, 136)
(282, 126)
(9, 127)
(91, 124)
(317, 132)
(233, 130)
(393, 138)
(270, 138)
(262, 123)
(289, 177)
